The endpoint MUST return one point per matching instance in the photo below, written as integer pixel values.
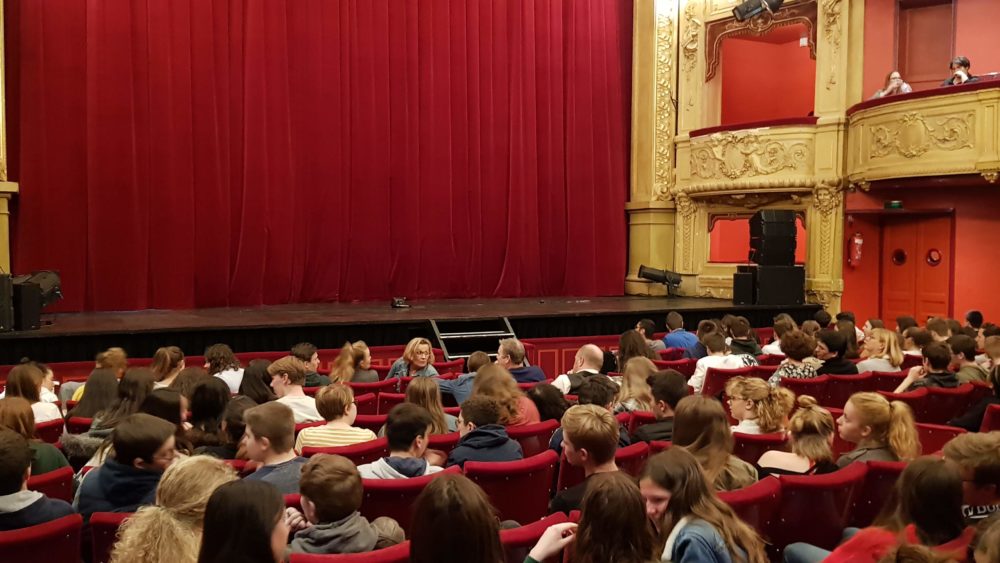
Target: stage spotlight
(49, 285)
(670, 279)
(751, 8)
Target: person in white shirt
(588, 361)
(222, 363)
(25, 381)
(719, 358)
(288, 375)
(758, 407)
(781, 326)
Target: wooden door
(916, 265)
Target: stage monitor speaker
(781, 285)
(6, 303)
(743, 290)
(27, 305)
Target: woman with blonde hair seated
(810, 432)
(170, 530)
(702, 428)
(881, 351)
(353, 365)
(759, 408)
(495, 382)
(634, 393)
(882, 430)
(416, 361)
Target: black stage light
(49, 284)
(33, 292)
(751, 8)
(670, 279)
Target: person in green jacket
(16, 414)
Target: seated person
(588, 362)
(798, 349)
(718, 357)
(417, 361)
(676, 336)
(758, 407)
(960, 72)
(972, 419)
(335, 404)
(881, 430)
(233, 426)
(697, 350)
(742, 341)
(288, 374)
(963, 357)
(893, 85)
(914, 340)
(933, 373)
(978, 458)
(590, 439)
(702, 427)
(144, 446)
(810, 432)
(269, 437)
(307, 354)
(408, 429)
(780, 327)
(598, 390)
(646, 328)
(331, 497)
(668, 388)
(483, 437)
(831, 345)
(19, 507)
(461, 387)
(510, 355)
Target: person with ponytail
(701, 427)
(882, 430)
(113, 359)
(170, 530)
(353, 365)
(759, 408)
(692, 524)
(810, 432)
(167, 363)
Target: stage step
(460, 338)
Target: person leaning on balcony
(893, 85)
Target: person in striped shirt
(335, 404)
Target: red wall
(730, 241)
(976, 252)
(880, 44)
(762, 81)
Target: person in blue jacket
(483, 437)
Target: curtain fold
(202, 153)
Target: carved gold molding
(831, 30)
(911, 136)
(664, 118)
(739, 154)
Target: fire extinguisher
(854, 250)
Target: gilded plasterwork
(739, 154)
(912, 136)
(831, 30)
(664, 114)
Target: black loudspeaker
(770, 216)
(743, 292)
(6, 303)
(781, 285)
(772, 251)
(27, 305)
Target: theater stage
(78, 336)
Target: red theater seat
(399, 553)
(640, 418)
(56, 484)
(749, 447)
(78, 425)
(527, 386)
(875, 492)
(716, 379)
(888, 380)
(814, 387)
(517, 542)
(770, 359)
(814, 508)
(933, 437)
(534, 438)
(839, 388)
(910, 361)
(395, 497)
(444, 442)
(671, 354)
(685, 366)
(302, 425)
(373, 422)
(360, 454)
(757, 505)
(388, 400)
(57, 541)
(104, 533)
(657, 446)
(519, 490)
(49, 431)
(367, 403)
(454, 366)
(991, 419)
(386, 386)
(629, 459)
(944, 404)
(915, 399)
(763, 372)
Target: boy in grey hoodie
(331, 497)
(407, 428)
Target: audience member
(510, 356)
(167, 363)
(599, 391)
(646, 328)
(718, 357)
(914, 340)
(453, 521)
(830, 349)
(25, 381)
(169, 405)
(850, 332)
(974, 319)
(102, 385)
(668, 387)
(811, 328)
(978, 458)
(331, 494)
(881, 351)
(408, 429)
(634, 394)
(797, 348)
(256, 383)
(19, 507)
(697, 350)
(498, 384)
(810, 432)
(631, 344)
(987, 548)
(309, 356)
(287, 377)
(676, 336)
(928, 512)
(934, 371)
(939, 329)
(336, 405)
(417, 361)
(208, 406)
(188, 379)
(870, 325)
(222, 363)
(881, 430)
(758, 407)
(269, 438)
(169, 531)
(903, 323)
(16, 414)
(549, 401)
(353, 365)
(587, 362)
(113, 359)
(425, 393)
(989, 341)
(692, 523)
(780, 327)
(701, 426)
(132, 391)
(244, 521)
(823, 318)
(47, 392)
(234, 427)
(893, 85)
(742, 338)
(144, 446)
(972, 419)
(590, 439)
(960, 73)
(460, 388)
(963, 357)
(483, 437)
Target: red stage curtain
(207, 153)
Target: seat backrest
(367, 403)
(814, 387)
(399, 553)
(57, 541)
(56, 484)
(534, 438)
(388, 386)
(630, 459)
(671, 354)
(360, 454)
(519, 490)
(944, 404)
(839, 388)
(302, 425)
(911, 360)
(980, 391)
(444, 442)
(373, 422)
(388, 400)
(104, 533)
(933, 437)
(763, 372)
(887, 380)
(804, 498)
(657, 446)
(715, 380)
(749, 447)
(880, 478)
(640, 418)
(455, 366)
(770, 359)
(395, 497)
(49, 431)
(293, 500)
(915, 399)
(530, 384)
(757, 505)
(684, 366)
(991, 419)
(517, 542)
(78, 425)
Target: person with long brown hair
(353, 365)
(631, 344)
(691, 522)
(25, 381)
(453, 521)
(16, 414)
(114, 359)
(810, 431)
(882, 430)
(102, 385)
(634, 393)
(701, 426)
(167, 363)
(498, 384)
(424, 391)
(132, 391)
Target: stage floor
(78, 336)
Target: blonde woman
(882, 351)
(416, 361)
(426, 393)
(759, 408)
(882, 430)
(634, 394)
(170, 530)
(353, 365)
(811, 434)
(516, 409)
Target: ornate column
(7, 188)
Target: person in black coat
(831, 345)
(483, 437)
